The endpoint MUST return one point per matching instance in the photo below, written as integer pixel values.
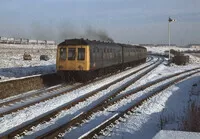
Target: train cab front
(73, 61)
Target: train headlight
(80, 67)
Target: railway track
(61, 90)
(43, 91)
(83, 117)
(117, 91)
(22, 128)
(118, 117)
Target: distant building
(147, 45)
(166, 45)
(41, 42)
(196, 46)
(32, 41)
(24, 41)
(3, 39)
(50, 42)
(17, 41)
(8, 40)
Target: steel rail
(101, 106)
(115, 119)
(78, 119)
(39, 119)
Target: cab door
(83, 58)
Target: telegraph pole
(169, 33)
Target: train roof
(82, 42)
(131, 46)
(93, 42)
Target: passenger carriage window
(81, 53)
(63, 54)
(71, 53)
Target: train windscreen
(71, 53)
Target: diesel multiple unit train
(82, 60)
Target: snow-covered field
(12, 64)
(161, 50)
(164, 111)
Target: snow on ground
(194, 58)
(12, 64)
(43, 107)
(114, 109)
(78, 109)
(145, 123)
(147, 120)
(169, 134)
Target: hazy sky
(133, 21)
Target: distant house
(17, 41)
(196, 46)
(9, 40)
(147, 45)
(3, 39)
(32, 41)
(41, 42)
(24, 41)
(50, 42)
(166, 45)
